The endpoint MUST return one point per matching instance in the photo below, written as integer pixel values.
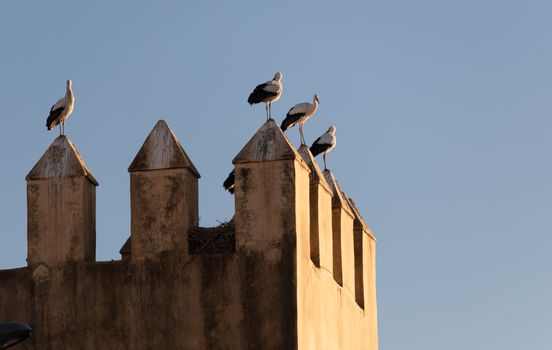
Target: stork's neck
(69, 91)
(315, 103)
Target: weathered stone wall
(207, 302)
(277, 290)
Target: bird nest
(212, 240)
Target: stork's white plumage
(299, 114)
(267, 92)
(324, 144)
(62, 109)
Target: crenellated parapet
(294, 268)
(320, 199)
(342, 232)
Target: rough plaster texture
(268, 294)
(163, 208)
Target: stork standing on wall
(267, 92)
(62, 109)
(299, 114)
(324, 144)
(228, 184)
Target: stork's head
(316, 99)
(277, 76)
(331, 129)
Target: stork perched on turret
(324, 144)
(267, 92)
(62, 109)
(299, 114)
(229, 183)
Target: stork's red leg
(324, 156)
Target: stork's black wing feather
(318, 148)
(52, 120)
(290, 120)
(260, 94)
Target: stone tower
(294, 269)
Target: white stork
(228, 184)
(267, 92)
(324, 144)
(62, 109)
(299, 114)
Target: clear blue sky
(443, 112)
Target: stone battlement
(294, 268)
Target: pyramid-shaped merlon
(61, 159)
(338, 198)
(61, 207)
(268, 144)
(162, 150)
(163, 196)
